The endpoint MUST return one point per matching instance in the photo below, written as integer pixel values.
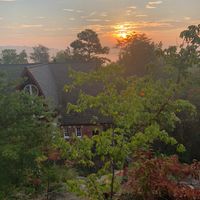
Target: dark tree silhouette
(191, 35)
(40, 54)
(87, 48)
(137, 52)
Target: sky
(55, 23)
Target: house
(48, 80)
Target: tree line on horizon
(87, 48)
(40, 54)
(84, 49)
(138, 54)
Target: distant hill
(28, 49)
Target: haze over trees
(137, 53)
(63, 56)
(10, 56)
(40, 54)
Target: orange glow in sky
(122, 31)
(32, 22)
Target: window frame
(66, 133)
(29, 89)
(78, 128)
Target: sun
(121, 31)
(122, 35)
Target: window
(66, 133)
(95, 132)
(31, 89)
(78, 132)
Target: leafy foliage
(191, 35)
(153, 178)
(184, 62)
(186, 56)
(26, 129)
(142, 111)
(132, 103)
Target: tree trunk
(112, 180)
(112, 170)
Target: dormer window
(31, 89)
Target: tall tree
(87, 48)
(22, 57)
(187, 55)
(186, 61)
(191, 35)
(26, 131)
(40, 54)
(137, 53)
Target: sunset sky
(55, 23)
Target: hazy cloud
(7, 0)
(132, 7)
(93, 20)
(68, 9)
(40, 17)
(187, 18)
(141, 15)
(150, 7)
(152, 4)
(79, 11)
(31, 25)
(72, 10)
(92, 13)
(103, 14)
(19, 16)
(53, 29)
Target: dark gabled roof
(85, 118)
(51, 79)
(45, 79)
(60, 73)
